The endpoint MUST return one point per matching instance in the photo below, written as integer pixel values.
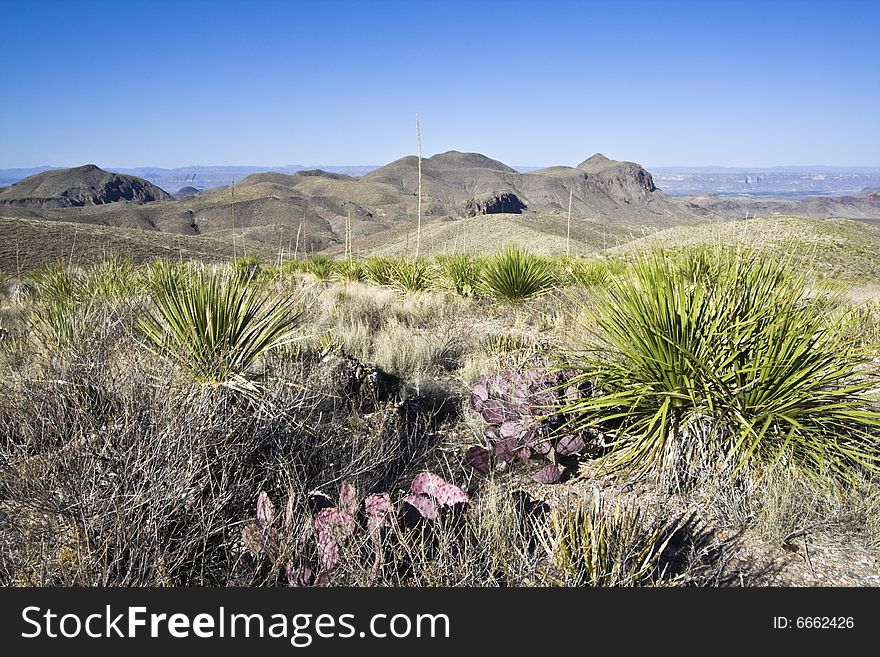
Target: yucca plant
(592, 546)
(113, 280)
(162, 271)
(379, 270)
(350, 271)
(592, 272)
(414, 275)
(246, 268)
(517, 275)
(461, 273)
(321, 267)
(719, 361)
(215, 327)
(63, 304)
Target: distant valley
(776, 182)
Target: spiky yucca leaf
(350, 271)
(247, 268)
(415, 275)
(63, 305)
(214, 326)
(516, 275)
(461, 273)
(113, 280)
(718, 359)
(320, 266)
(592, 272)
(379, 270)
(593, 546)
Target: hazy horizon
(744, 85)
(518, 166)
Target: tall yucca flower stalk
(215, 326)
(718, 359)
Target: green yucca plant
(516, 275)
(320, 266)
(62, 307)
(214, 326)
(162, 271)
(461, 273)
(592, 272)
(350, 271)
(380, 270)
(414, 275)
(113, 280)
(717, 360)
(593, 546)
(246, 268)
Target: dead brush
(591, 545)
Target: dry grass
(114, 471)
(791, 506)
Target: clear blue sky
(738, 83)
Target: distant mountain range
(778, 182)
(199, 177)
(462, 194)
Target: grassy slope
(544, 234)
(30, 243)
(839, 248)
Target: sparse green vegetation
(461, 273)
(321, 267)
(415, 275)
(748, 364)
(517, 275)
(214, 326)
(719, 359)
(593, 546)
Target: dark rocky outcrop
(623, 181)
(494, 203)
(186, 192)
(80, 186)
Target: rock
(494, 203)
(366, 384)
(186, 192)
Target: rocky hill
(78, 187)
(468, 201)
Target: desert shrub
(461, 273)
(162, 271)
(113, 280)
(516, 275)
(414, 275)
(718, 360)
(593, 272)
(247, 268)
(120, 478)
(320, 266)
(380, 270)
(591, 545)
(60, 314)
(214, 326)
(791, 507)
(350, 271)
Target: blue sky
(725, 82)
